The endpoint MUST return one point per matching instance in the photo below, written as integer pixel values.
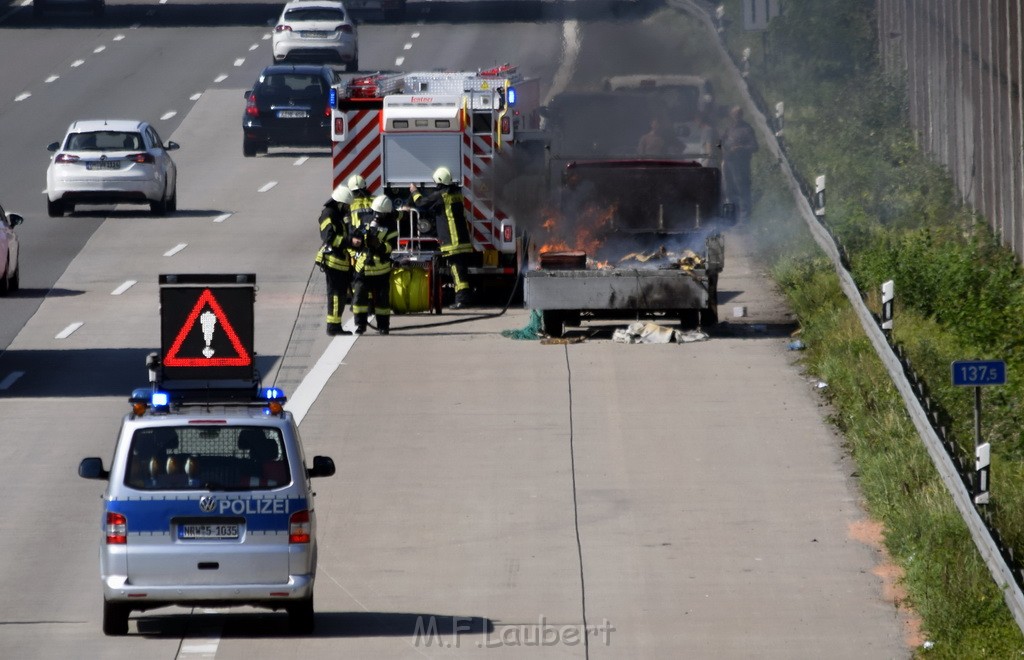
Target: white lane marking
(399, 60)
(99, 49)
(309, 389)
(240, 61)
(124, 287)
(176, 249)
(26, 3)
(407, 46)
(220, 78)
(77, 63)
(22, 96)
(168, 115)
(195, 97)
(267, 36)
(415, 35)
(163, 2)
(66, 332)
(253, 47)
(267, 186)
(51, 78)
(11, 377)
(118, 37)
(222, 217)
(135, 26)
(300, 160)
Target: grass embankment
(959, 296)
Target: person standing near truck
(738, 146)
(452, 229)
(372, 245)
(334, 257)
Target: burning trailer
(633, 238)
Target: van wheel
(115, 619)
(301, 620)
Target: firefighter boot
(360, 323)
(336, 329)
(462, 299)
(384, 324)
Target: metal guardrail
(925, 417)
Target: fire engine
(397, 128)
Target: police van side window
(207, 458)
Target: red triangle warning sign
(212, 324)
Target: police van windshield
(207, 458)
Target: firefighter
(334, 257)
(361, 211)
(452, 229)
(372, 244)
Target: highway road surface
(494, 497)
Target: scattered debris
(797, 345)
(645, 332)
(739, 312)
(563, 340)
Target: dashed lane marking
(124, 287)
(267, 186)
(22, 96)
(99, 49)
(176, 249)
(195, 97)
(77, 63)
(118, 37)
(240, 61)
(222, 217)
(399, 60)
(10, 379)
(300, 160)
(51, 78)
(253, 47)
(221, 78)
(167, 115)
(66, 332)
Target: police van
(208, 499)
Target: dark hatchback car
(289, 106)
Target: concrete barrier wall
(962, 63)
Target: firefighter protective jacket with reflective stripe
(374, 260)
(334, 232)
(452, 229)
(362, 208)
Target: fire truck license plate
(208, 531)
(292, 114)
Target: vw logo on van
(207, 503)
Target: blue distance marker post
(978, 374)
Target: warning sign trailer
(206, 335)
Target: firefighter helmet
(342, 195)
(382, 204)
(356, 182)
(443, 176)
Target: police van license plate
(216, 531)
(292, 114)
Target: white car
(10, 279)
(317, 31)
(111, 161)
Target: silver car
(111, 161)
(318, 31)
(208, 506)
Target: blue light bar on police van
(273, 394)
(510, 96)
(160, 399)
(332, 98)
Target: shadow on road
(78, 373)
(258, 624)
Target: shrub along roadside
(959, 296)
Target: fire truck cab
(396, 129)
